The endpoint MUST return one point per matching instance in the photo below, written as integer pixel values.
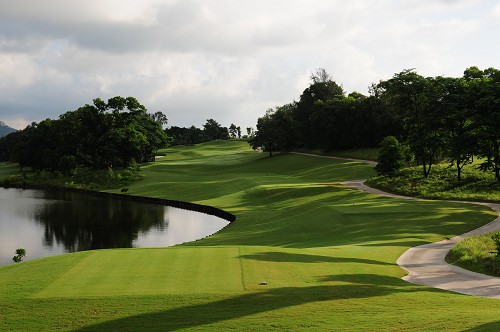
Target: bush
(390, 157)
(20, 254)
(496, 238)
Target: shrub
(390, 157)
(20, 254)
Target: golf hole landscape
(304, 253)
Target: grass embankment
(327, 253)
(442, 183)
(476, 253)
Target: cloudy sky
(228, 60)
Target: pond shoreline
(206, 209)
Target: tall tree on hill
(415, 97)
(457, 106)
(214, 130)
(159, 117)
(275, 130)
(322, 90)
(233, 131)
(487, 115)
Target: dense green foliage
(390, 158)
(476, 253)
(102, 135)
(325, 118)
(438, 118)
(212, 130)
(327, 253)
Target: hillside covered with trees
(101, 135)
(434, 118)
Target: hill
(5, 130)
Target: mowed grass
(327, 254)
(7, 169)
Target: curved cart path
(426, 265)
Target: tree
(214, 130)
(390, 158)
(416, 97)
(20, 254)
(275, 130)
(320, 75)
(459, 126)
(320, 92)
(266, 135)
(487, 105)
(160, 118)
(233, 131)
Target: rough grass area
(476, 253)
(442, 184)
(326, 252)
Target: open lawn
(326, 252)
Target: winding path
(426, 263)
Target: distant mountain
(5, 130)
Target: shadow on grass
(306, 218)
(303, 258)
(193, 316)
(493, 327)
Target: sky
(228, 60)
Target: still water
(47, 223)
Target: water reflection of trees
(83, 222)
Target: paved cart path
(426, 265)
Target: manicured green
(326, 252)
(442, 183)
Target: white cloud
(225, 59)
(17, 71)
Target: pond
(47, 223)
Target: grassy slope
(442, 184)
(328, 254)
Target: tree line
(434, 118)
(212, 130)
(104, 134)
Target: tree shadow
(492, 326)
(273, 256)
(364, 286)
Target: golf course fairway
(327, 253)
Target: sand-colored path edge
(426, 263)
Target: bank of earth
(328, 254)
